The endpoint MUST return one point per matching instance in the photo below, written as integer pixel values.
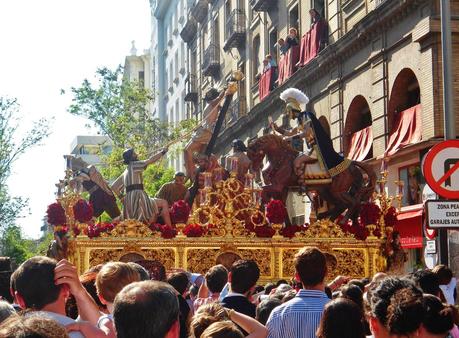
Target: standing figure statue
(174, 191)
(101, 196)
(136, 203)
(243, 161)
(203, 133)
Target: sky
(49, 45)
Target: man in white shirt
(447, 282)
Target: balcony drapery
(266, 82)
(287, 64)
(360, 144)
(311, 42)
(408, 130)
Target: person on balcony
(283, 47)
(321, 26)
(271, 61)
(203, 133)
(136, 203)
(292, 38)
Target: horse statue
(343, 192)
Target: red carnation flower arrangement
(194, 230)
(56, 214)
(264, 231)
(94, 230)
(369, 214)
(390, 218)
(166, 231)
(179, 212)
(83, 211)
(276, 212)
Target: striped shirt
(299, 317)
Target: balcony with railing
(211, 61)
(263, 5)
(190, 29)
(199, 10)
(235, 30)
(191, 85)
(236, 110)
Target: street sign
(442, 214)
(428, 194)
(441, 169)
(431, 247)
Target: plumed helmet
(293, 98)
(238, 145)
(127, 155)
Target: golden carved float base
(347, 255)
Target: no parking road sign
(441, 169)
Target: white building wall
(168, 60)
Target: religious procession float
(233, 211)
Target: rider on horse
(320, 162)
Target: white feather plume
(296, 94)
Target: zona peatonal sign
(442, 214)
(441, 169)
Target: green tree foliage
(12, 146)
(119, 109)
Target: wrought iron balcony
(236, 110)
(211, 62)
(263, 5)
(191, 84)
(189, 30)
(235, 30)
(199, 10)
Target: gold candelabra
(225, 207)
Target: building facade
(169, 63)
(137, 68)
(89, 148)
(377, 80)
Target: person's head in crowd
(443, 273)
(396, 308)
(194, 290)
(438, 318)
(342, 318)
(243, 276)
(143, 273)
(269, 287)
(357, 282)
(281, 291)
(88, 279)
(354, 293)
(35, 287)
(310, 267)
(156, 269)
(6, 310)
(365, 281)
(206, 315)
(146, 309)
(289, 295)
(180, 281)
(427, 281)
(216, 278)
(224, 329)
(280, 282)
(259, 288)
(293, 32)
(31, 326)
(112, 278)
(265, 308)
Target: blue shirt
(299, 317)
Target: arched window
(358, 135)
(404, 113)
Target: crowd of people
(123, 300)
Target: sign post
(441, 172)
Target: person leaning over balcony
(292, 38)
(283, 46)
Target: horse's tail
(368, 190)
